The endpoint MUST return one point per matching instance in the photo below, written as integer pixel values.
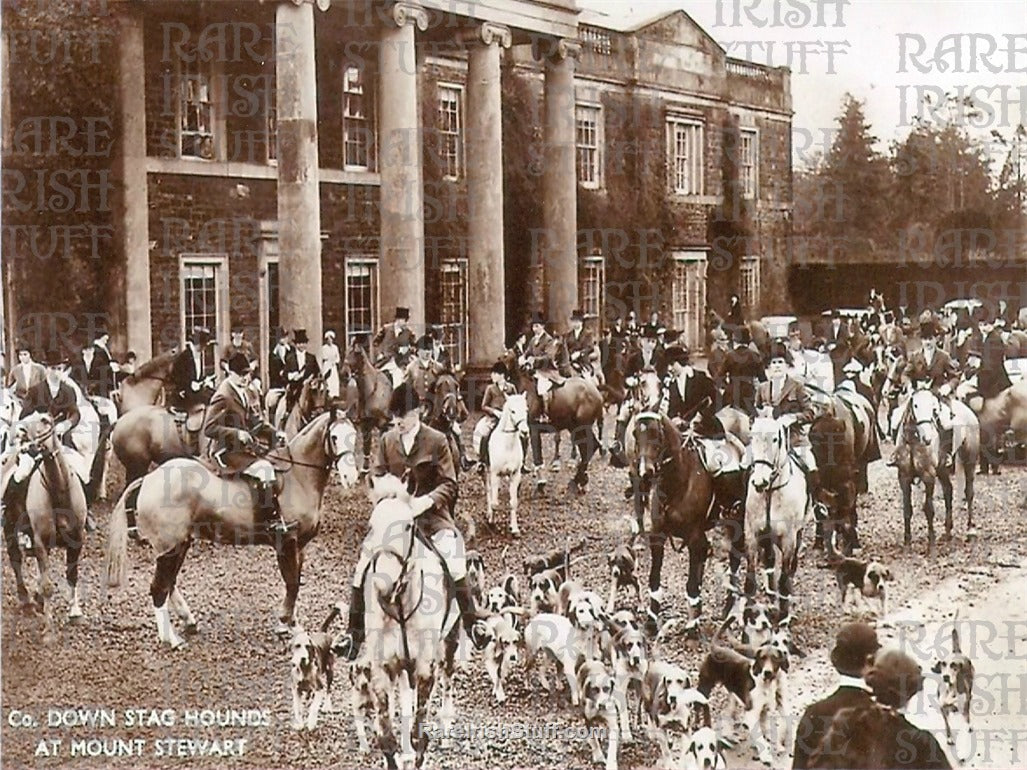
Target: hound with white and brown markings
(955, 690)
(600, 707)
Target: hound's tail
(955, 635)
(117, 537)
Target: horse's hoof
(191, 629)
(283, 630)
(971, 534)
(515, 532)
(75, 620)
(946, 538)
(179, 644)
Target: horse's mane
(387, 487)
(152, 367)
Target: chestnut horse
(373, 392)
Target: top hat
(402, 314)
(404, 399)
(537, 318)
(238, 363)
(576, 315)
(929, 329)
(677, 354)
(500, 368)
(853, 645)
(300, 336)
(200, 335)
(649, 332)
(778, 349)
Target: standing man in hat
(188, 372)
(237, 430)
(26, 373)
(492, 401)
(412, 446)
(392, 345)
(933, 367)
(647, 358)
(743, 371)
(300, 366)
(993, 378)
(852, 657)
(580, 348)
(277, 367)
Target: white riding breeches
(448, 542)
(391, 368)
(482, 428)
(544, 383)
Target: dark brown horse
(447, 412)
(373, 391)
(682, 498)
(146, 386)
(575, 405)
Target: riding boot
(483, 453)
(348, 645)
(469, 614)
(946, 460)
(813, 486)
(268, 512)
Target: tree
(853, 184)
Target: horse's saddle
(718, 456)
(191, 421)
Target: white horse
(776, 509)
(506, 455)
(410, 642)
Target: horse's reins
(400, 583)
(775, 473)
(328, 449)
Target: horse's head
(392, 516)
(769, 449)
(923, 412)
(314, 396)
(449, 403)
(515, 413)
(353, 362)
(340, 446)
(654, 442)
(648, 390)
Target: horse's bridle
(329, 450)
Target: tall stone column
(402, 188)
(484, 146)
(560, 185)
(131, 287)
(299, 199)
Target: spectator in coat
(852, 657)
(26, 373)
(734, 312)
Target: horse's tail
(117, 538)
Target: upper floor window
(588, 124)
(685, 155)
(357, 119)
(749, 158)
(450, 129)
(195, 109)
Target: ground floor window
(204, 284)
(361, 298)
(592, 290)
(688, 296)
(453, 308)
(749, 280)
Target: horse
(447, 412)
(575, 405)
(182, 500)
(411, 643)
(146, 386)
(612, 360)
(10, 408)
(919, 457)
(54, 515)
(646, 394)
(313, 399)
(506, 458)
(999, 417)
(776, 509)
(373, 389)
(682, 501)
